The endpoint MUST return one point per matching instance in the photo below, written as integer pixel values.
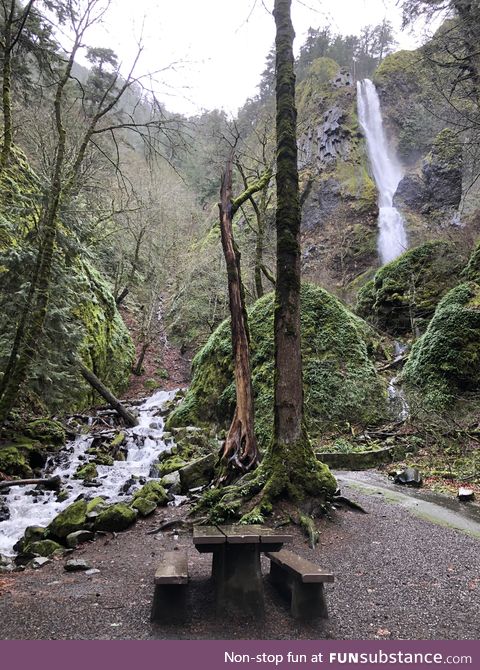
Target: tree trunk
(290, 463)
(239, 453)
(52, 484)
(137, 370)
(95, 383)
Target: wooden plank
(208, 535)
(241, 534)
(173, 569)
(306, 570)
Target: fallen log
(51, 484)
(129, 418)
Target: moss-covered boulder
(143, 506)
(402, 296)
(46, 431)
(86, 472)
(115, 518)
(341, 384)
(73, 517)
(445, 361)
(43, 548)
(22, 456)
(154, 491)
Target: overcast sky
(219, 46)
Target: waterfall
(392, 237)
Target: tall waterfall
(392, 237)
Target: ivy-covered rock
(338, 349)
(115, 518)
(445, 361)
(402, 296)
(73, 517)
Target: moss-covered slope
(341, 384)
(445, 361)
(82, 313)
(402, 296)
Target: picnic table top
(248, 534)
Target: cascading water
(392, 237)
(144, 443)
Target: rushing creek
(144, 444)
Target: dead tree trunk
(240, 452)
(114, 402)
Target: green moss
(86, 472)
(43, 547)
(341, 384)
(143, 506)
(71, 519)
(170, 465)
(154, 491)
(472, 270)
(94, 503)
(404, 293)
(150, 384)
(14, 462)
(47, 431)
(115, 518)
(445, 361)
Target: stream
(31, 507)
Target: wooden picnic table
(236, 569)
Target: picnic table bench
(302, 581)
(170, 595)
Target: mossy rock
(14, 462)
(94, 503)
(154, 491)
(46, 431)
(115, 518)
(86, 472)
(101, 458)
(404, 293)
(170, 465)
(445, 362)
(43, 547)
(73, 518)
(340, 380)
(144, 506)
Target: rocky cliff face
(339, 198)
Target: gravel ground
(396, 577)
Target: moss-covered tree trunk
(291, 463)
(239, 453)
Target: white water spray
(392, 237)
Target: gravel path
(397, 577)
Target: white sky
(220, 46)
